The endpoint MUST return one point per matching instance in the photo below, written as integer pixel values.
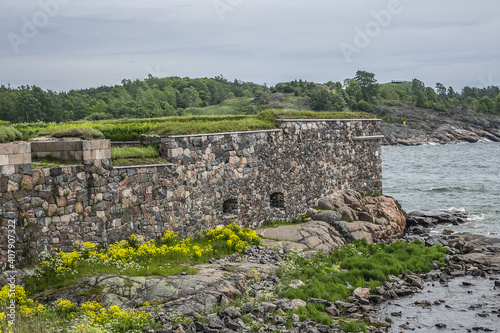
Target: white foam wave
(455, 209)
(473, 217)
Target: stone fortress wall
(210, 179)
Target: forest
(174, 96)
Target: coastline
(408, 126)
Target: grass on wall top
(8, 134)
(131, 129)
(82, 132)
(295, 114)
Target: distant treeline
(175, 96)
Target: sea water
(453, 176)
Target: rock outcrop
(419, 222)
(340, 219)
(409, 125)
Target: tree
(321, 100)
(354, 91)
(190, 97)
(418, 89)
(497, 105)
(368, 83)
(451, 92)
(30, 109)
(441, 89)
(486, 105)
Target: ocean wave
(455, 209)
(474, 217)
(446, 189)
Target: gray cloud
(91, 43)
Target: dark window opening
(278, 200)
(230, 206)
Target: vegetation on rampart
(8, 134)
(131, 129)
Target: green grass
(154, 268)
(360, 264)
(315, 312)
(294, 114)
(38, 324)
(82, 132)
(276, 224)
(134, 152)
(9, 133)
(232, 106)
(215, 126)
(65, 268)
(49, 161)
(138, 161)
(200, 120)
(347, 325)
(141, 155)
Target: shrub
(87, 317)
(364, 106)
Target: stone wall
(212, 179)
(13, 155)
(72, 149)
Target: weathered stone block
(16, 159)
(95, 144)
(85, 145)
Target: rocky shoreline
(408, 125)
(471, 256)
(239, 293)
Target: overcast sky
(70, 44)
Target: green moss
(93, 291)
(347, 218)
